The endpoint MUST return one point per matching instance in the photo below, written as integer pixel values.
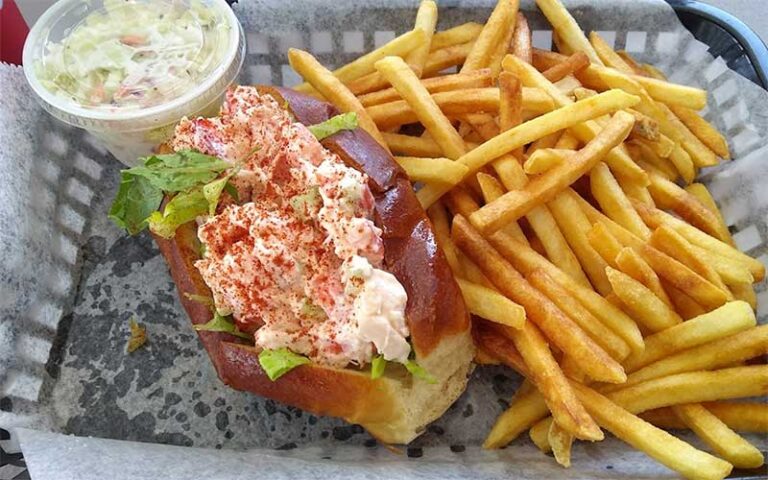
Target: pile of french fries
(560, 189)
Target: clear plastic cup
(73, 54)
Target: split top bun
(398, 406)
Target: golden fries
(693, 387)
(430, 170)
(585, 248)
(567, 29)
(531, 130)
(333, 89)
(731, 318)
(466, 32)
(521, 40)
(426, 20)
(570, 65)
(742, 416)
(658, 444)
(477, 79)
(424, 107)
(560, 329)
(515, 204)
(491, 305)
(364, 65)
(502, 18)
(725, 442)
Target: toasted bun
(397, 407)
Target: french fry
(447, 57)
(658, 444)
(709, 356)
(492, 190)
(549, 379)
(693, 387)
(493, 31)
(567, 142)
(635, 190)
(526, 259)
(643, 153)
(531, 130)
(472, 272)
(653, 217)
(618, 159)
(703, 130)
(631, 263)
(491, 305)
(607, 55)
(424, 107)
(701, 193)
(411, 146)
(466, 32)
(726, 443)
(545, 159)
(686, 306)
(426, 20)
(604, 243)
(561, 442)
(521, 40)
(454, 103)
(572, 64)
(332, 88)
(477, 79)
(442, 228)
(364, 65)
(429, 170)
(700, 154)
(642, 304)
(523, 411)
(614, 202)
(647, 129)
(517, 203)
(666, 194)
(731, 318)
(602, 335)
(561, 330)
(539, 434)
(502, 48)
(742, 416)
(543, 60)
(682, 161)
(374, 82)
(547, 141)
(494, 339)
(673, 244)
(567, 29)
(629, 60)
(665, 266)
(575, 226)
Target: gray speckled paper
(70, 281)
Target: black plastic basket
(727, 37)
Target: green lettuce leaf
(220, 323)
(277, 363)
(135, 201)
(345, 121)
(378, 364)
(212, 192)
(182, 208)
(180, 171)
(418, 371)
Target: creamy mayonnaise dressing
(300, 257)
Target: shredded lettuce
(183, 208)
(345, 121)
(135, 201)
(378, 364)
(220, 323)
(180, 171)
(419, 372)
(277, 363)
